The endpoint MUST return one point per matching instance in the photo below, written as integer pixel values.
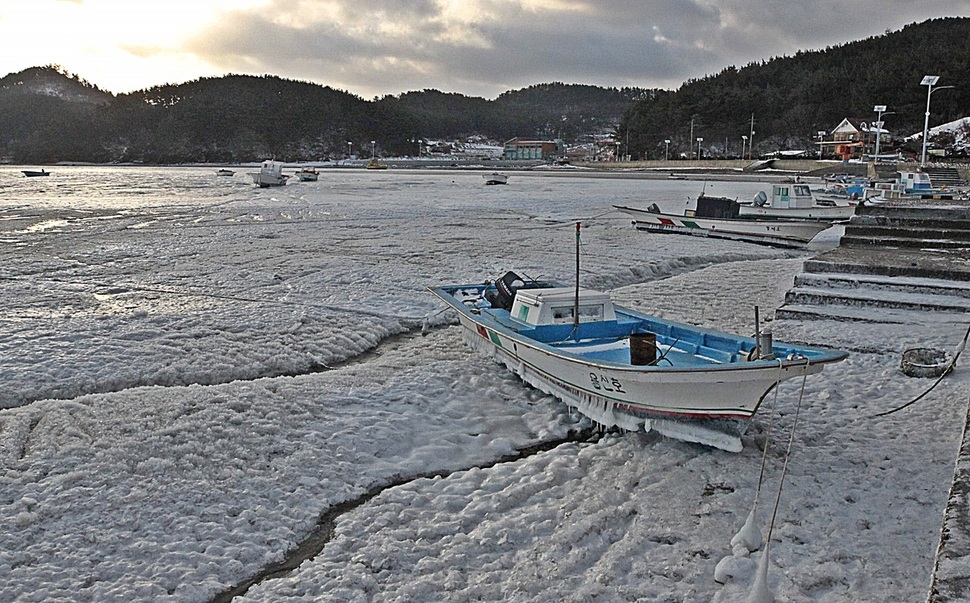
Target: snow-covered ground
(193, 371)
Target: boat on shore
(307, 174)
(35, 173)
(495, 178)
(270, 174)
(719, 217)
(621, 368)
(796, 201)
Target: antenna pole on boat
(576, 303)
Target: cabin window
(588, 312)
(562, 313)
(802, 191)
(781, 191)
(523, 313)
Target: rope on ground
(946, 372)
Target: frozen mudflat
(192, 371)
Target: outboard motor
(503, 294)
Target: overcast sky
(474, 47)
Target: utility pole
(751, 139)
(691, 138)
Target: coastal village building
(546, 150)
(853, 138)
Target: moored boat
(626, 369)
(374, 164)
(35, 173)
(224, 172)
(307, 174)
(495, 178)
(718, 217)
(270, 174)
(795, 201)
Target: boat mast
(576, 304)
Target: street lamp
(821, 136)
(929, 81)
(373, 149)
(666, 148)
(744, 141)
(879, 109)
(699, 141)
(349, 144)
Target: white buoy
(732, 567)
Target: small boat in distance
(269, 174)
(374, 164)
(718, 217)
(307, 174)
(495, 178)
(35, 173)
(626, 369)
(224, 172)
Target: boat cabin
(787, 196)
(557, 306)
(914, 181)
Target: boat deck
(609, 341)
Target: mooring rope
(771, 421)
(784, 468)
(946, 372)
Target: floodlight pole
(929, 81)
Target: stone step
(951, 265)
(876, 298)
(960, 228)
(868, 282)
(913, 231)
(862, 314)
(890, 241)
(914, 211)
(945, 177)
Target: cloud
(486, 47)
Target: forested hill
(47, 115)
(793, 98)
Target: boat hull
(776, 232)
(820, 212)
(710, 404)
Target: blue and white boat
(626, 369)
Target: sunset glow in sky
(475, 47)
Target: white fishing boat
(626, 369)
(495, 178)
(718, 217)
(270, 174)
(307, 174)
(796, 201)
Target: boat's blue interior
(678, 344)
(609, 340)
